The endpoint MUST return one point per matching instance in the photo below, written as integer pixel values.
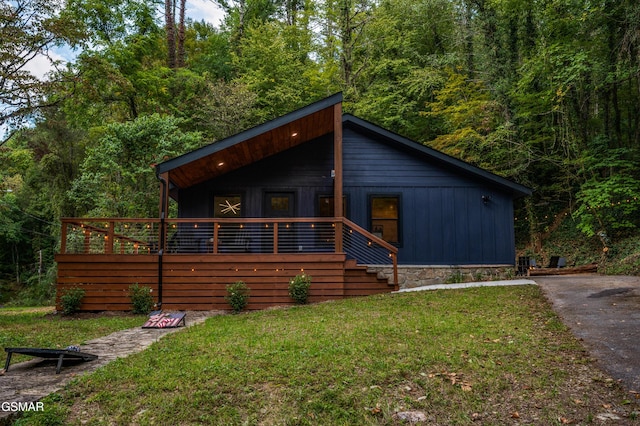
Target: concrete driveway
(604, 312)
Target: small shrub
(237, 295)
(141, 299)
(71, 300)
(456, 277)
(299, 288)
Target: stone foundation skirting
(410, 276)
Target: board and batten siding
(304, 170)
(444, 220)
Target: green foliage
(50, 417)
(38, 289)
(117, 176)
(608, 206)
(275, 65)
(226, 109)
(299, 288)
(209, 50)
(473, 129)
(237, 296)
(105, 22)
(141, 299)
(608, 202)
(71, 300)
(623, 257)
(455, 277)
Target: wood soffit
(254, 148)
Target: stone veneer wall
(410, 276)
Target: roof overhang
(252, 145)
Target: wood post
(63, 238)
(338, 208)
(87, 240)
(108, 239)
(275, 238)
(216, 226)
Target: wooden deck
(106, 262)
(192, 282)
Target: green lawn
(41, 328)
(495, 355)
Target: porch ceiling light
(221, 163)
(294, 134)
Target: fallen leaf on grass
(455, 379)
(375, 410)
(515, 415)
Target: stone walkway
(32, 380)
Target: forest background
(546, 93)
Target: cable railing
(362, 246)
(110, 236)
(222, 236)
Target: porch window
(229, 205)
(385, 217)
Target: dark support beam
(162, 232)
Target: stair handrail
(393, 250)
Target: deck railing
(223, 236)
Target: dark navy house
(437, 210)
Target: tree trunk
(171, 33)
(181, 36)
(346, 36)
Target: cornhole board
(165, 320)
(60, 354)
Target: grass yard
(40, 328)
(495, 355)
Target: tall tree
(170, 29)
(283, 77)
(241, 14)
(28, 31)
(105, 23)
(405, 46)
(175, 37)
(117, 176)
(351, 18)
